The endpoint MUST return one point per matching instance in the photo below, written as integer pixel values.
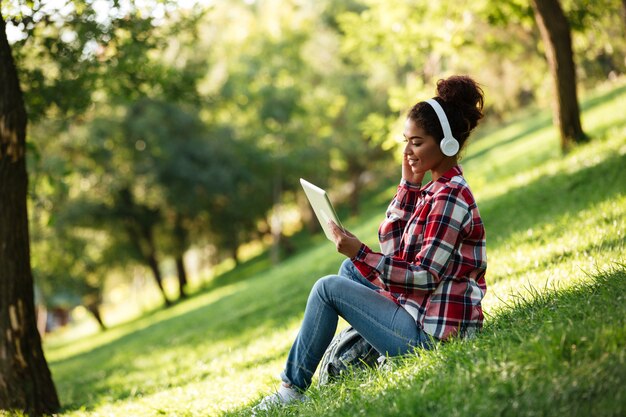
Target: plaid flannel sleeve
(399, 212)
(449, 215)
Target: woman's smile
(423, 153)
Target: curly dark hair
(461, 98)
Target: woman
(427, 282)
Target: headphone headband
(449, 145)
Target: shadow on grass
(548, 198)
(603, 130)
(538, 121)
(559, 352)
(242, 271)
(261, 305)
(240, 312)
(615, 245)
(589, 104)
(563, 350)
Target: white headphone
(449, 145)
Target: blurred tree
(25, 380)
(286, 89)
(140, 222)
(598, 38)
(167, 180)
(402, 45)
(198, 173)
(234, 216)
(359, 129)
(79, 203)
(77, 57)
(265, 96)
(556, 35)
(72, 276)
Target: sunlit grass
(552, 353)
(554, 334)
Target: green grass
(542, 356)
(554, 336)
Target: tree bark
(94, 309)
(25, 380)
(92, 301)
(182, 276)
(153, 263)
(556, 34)
(144, 244)
(140, 229)
(235, 255)
(180, 234)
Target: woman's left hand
(346, 242)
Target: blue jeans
(384, 324)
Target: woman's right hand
(407, 172)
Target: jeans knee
(326, 286)
(345, 267)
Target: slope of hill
(555, 330)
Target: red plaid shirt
(433, 258)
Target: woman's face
(421, 150)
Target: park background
(165, 143)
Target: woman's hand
(346, 242)
(408, 174)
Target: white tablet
(321, 206)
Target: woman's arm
(407, 173)
(346, 242)
(446, 223)
(399, 212)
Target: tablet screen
(321, 206)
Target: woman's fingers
(346, 242)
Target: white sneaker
(284, 395)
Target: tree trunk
(182, 276)
(94, 309)
(556, 35)
(154, 267)
(92, 302)
(25, 380)
(235, 255)
(142, 237)
(148, 253)
(180, 235)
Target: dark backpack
(347, 350)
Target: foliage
(233, 101)
(532, 359)
(555, 241)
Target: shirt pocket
(413, 239)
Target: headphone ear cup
(449, 146)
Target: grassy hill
(556, 309)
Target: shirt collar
(432, 186)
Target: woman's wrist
(411, 184)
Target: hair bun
(465, 94)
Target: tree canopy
(157, 128)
